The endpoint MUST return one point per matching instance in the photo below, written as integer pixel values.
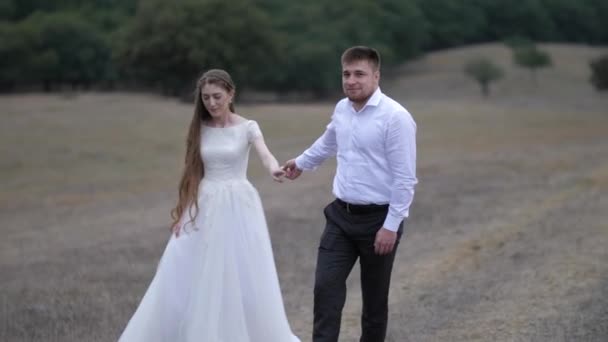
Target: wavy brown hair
(194, 170)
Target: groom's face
(359, 80)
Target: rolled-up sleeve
(324, 147)
(401, 154)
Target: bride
(216, 280)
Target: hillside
(506, 240)
(439, 75)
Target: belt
(361, 208)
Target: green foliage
(599, 72)
(314, 34)
(81, 53)
(53, 48)
(530, 57)
(7, 9)
(484, 71)
(169, 43)
(24, 8)
(106, 20)
(600, 8)
(452, 23)
(12, 51)
(525, 18)
(402, 30)
(576, 21)
(266, 44)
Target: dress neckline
(225, 127)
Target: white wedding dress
(217, 281)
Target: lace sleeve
(253, 131)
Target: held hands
(291, 170)
(277, 174)
(385, 241)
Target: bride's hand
(278, 174)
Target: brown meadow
(507, 239)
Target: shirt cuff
(392, 223)
(302, 165)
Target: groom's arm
(323, 148)
(401, 155)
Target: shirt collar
(373, 101)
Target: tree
(575, 21)
(484, 71)
(452, 23)
(65, 49)
(13, 51)
(530, 57)
(168, 44)
(52, 48)
(599, 72)
(7, 9)
(527, 18)
(315, 33)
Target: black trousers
(349, 235)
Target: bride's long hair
(194, 171)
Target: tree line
(275, 45)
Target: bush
(531, 58)
(484, 71)
(599, 72)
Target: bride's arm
(269, 161)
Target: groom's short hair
(362, 53)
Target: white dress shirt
(376, 155)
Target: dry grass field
(507, 240)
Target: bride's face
(216, 100)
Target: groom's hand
(291, 169)
(385, 241)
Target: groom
(374, 140)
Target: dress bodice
(225, 150)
